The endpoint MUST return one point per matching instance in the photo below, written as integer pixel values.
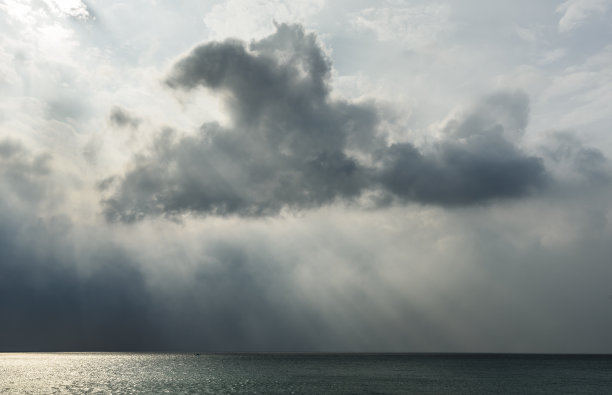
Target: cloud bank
(309, 218)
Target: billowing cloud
(476, 161)
(291, 144)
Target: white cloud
(579, 97)
(553, 55)
(529, 33)
(252, 19)
(415, 26)
(577, 12)
(73, 8)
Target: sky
(404, 176)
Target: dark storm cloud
(53, 298)
(240, 298)
(457, 177)
(287, 147)
(122, 118)
(46, 302)
(65, 286)
(61, 290)
(292, 145)
(476, 161)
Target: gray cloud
(62, 291)
(51, 296)
(476, 161)
(404, 284)
(24, 174)
(68, 286)
(457, 177)
(293, 145)
(531, 276)
(122, 118)
(568, 152)
(46, 304)
(54, 298)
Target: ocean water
(130, 373)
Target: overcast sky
(306, 175)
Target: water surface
(123, 373)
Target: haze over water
(118, 373)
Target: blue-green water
(39, 373)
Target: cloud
(475, 162)
(579, 95)
(121, 118)
(577, 12)
(415, 26)
(292, 145)
(486, 169)
(286, 146)
(248, 19)
(62, 292)
(74, 8)
(522, 266)
(404, 278)
(23, 175)
(552, 56)
(52, 295)
(47, 304)
(65, 285)
(571, 159)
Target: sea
(295, 373)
